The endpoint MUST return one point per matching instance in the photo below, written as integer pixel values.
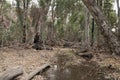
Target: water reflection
(86, 71)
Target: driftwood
(38, 70)
(11, 74)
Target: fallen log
(38, 70)
(11, 74)
(86, 56)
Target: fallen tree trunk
(103, 25)
(11, 74)
(38, 70)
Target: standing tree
(22, 8)
(87, 25)
(118, 21)
(103, 25)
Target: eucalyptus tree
(34, 21)
(93, 29)
(118, 20)
(1, 20)
(104, 26)
(51, 34)
(87, 28)
(107, 7)
(22, 10)
(108, 11)
(69, 16)
(44, 6)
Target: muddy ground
(30, 59)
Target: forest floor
(30, 59)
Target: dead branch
(38, 70)
(11, 73)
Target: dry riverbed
(30, 59)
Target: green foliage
(109, 12)
(44, 3)
(69, 13)
(67, 17)
(19, 12)
(11, 34)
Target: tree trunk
(24, 34)
(25, 21)
(87, 21)
(92, 30)
(118, 24)
(99, 40)
(103, 25)
(100, 3)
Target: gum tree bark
(25, 8)
(118, 24)
(103, 26)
